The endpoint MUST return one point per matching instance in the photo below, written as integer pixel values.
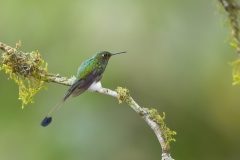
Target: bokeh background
(177, 62)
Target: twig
(232, 8)
(232, 11)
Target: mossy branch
(232, 10)
(27, 70)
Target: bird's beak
(112, 54)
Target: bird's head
(105, 55)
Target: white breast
(95, 86)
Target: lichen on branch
(26, 69)
(149, 114)
(232, 8)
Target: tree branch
(28, 67)
(232, 8)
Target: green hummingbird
(88, 77)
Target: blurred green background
(177, 62)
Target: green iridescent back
(98, 62)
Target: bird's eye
(104, 55)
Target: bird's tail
(47, 120)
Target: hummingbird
(88, 77)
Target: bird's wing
(81, 85)
(84, 84)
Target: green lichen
(236, 71)
(123, 95)
(232, 8)
(27, 70)
(167, 132)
